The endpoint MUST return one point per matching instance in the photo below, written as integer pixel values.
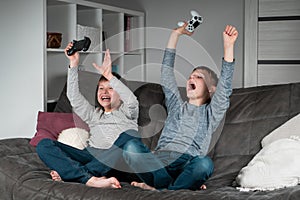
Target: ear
(212, 90)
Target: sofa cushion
(50, 124)
(277, 165)
(288, 129)
(152, 113)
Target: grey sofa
(254, 112)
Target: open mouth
(192, 86)
(107, 99)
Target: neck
(108, 109)
(198, 101)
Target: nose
(105, 91)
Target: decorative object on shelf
(54, 39)
(115, 68)
(91, 32)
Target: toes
(203, 187)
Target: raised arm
(168, 80)
(126, 95)
(220, 101)
(78, 102)
(230, 35)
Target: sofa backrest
(253, 114)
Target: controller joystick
(195, 21)
(83, 45)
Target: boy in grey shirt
(180, 161)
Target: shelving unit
(120, 30)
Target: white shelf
(65, 16)
(55, 50)
(62, 51)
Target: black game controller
(83, 45)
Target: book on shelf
(127, 29)
(104, 37)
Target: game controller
(83, 45)
(193, 23)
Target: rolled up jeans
(166, 169)
(75, 165)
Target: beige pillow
(75, 137)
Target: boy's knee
(204, 166)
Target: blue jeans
(75, 165)
(166, 169)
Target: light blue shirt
(189, 128)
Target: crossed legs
(166, 169)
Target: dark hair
(102, 78)
(115, 74)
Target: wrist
(73, 64)
(228, 54)
(173, 40)
(175, 33)
(108, 76)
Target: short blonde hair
(211, 78)
(212, 75)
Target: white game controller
(193, 23)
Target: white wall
(21, 56)
(207, 50)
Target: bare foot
(142, 185)
(103, 182)
(55, 176)
(203, 187)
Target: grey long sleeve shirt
(104, 128)
(188, 128)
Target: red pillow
(50, 124)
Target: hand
(173, 40)
(74, 59)
(230, 35)
(181, 30)
(105, 69)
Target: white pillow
(276, 166)
(75, 137)
(289, 128)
